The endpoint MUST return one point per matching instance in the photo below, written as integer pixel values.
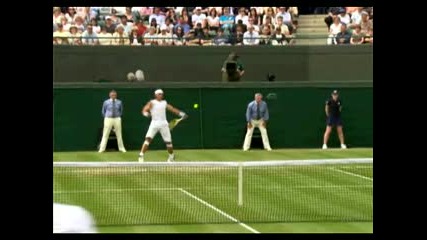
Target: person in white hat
(197, 16)
(72, 219)
(164, 38)
(156, 108)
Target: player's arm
(175, 110)
(327, 108)
(146, 109)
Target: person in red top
(141, 28)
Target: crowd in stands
(191, 26)
(350, 25)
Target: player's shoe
(269, 149)
(171, 158)
(324, 146)
(343, 146)
(141, 158)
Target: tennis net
(131, 193)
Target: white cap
(198, 8)
(163, 27)
(107, 17)
(158, 91)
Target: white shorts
(164, 131)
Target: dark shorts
(333, 121)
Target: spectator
(105, 38)
(154, 24)
(60, 36)
(160, 18)
(65, 24)
(268, 23)
(109, 25)
(129, 15)
(365, 23)
(164, 38)
(183, 24)
(334, 29)
(343, 37)
(127, 26)
(89, 37)
(95, 25)
(256, 20)
(220, 38)
(81, 12)
(134, 38)
(57, 15)
(242, 16)
(141, 28)
(145, 13)
(251, 23)
(114, 17)
(186, 17)
(251, 37)
(213, 19)
(293, 11)
(278, 37)
(356, 17)
(344, 17)
(357, 37)
(265, 37)
(103, 12)
(227, 20)
(172, 16)
(74, 36)
(286, 16)
(284, 28)
(78, 22)
(238, 36)
(333, 11)
(150, 38)
(270, 14)
(369, 37)
(178, 37)
(71, 14)
(120, 37)
(218, 10)
(169, 25)
(197, 16)
(198, 30)
(205, 38)
(191, 39)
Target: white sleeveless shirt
(158, 113)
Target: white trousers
(250, 131)
(164, 130)
(110, 123)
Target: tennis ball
(196, 105)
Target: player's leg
(327, 134)
(151, 133)
(167, 138)
(108, 124)
(264, 136)
(117, 124)
(341, 134)
(248, 137)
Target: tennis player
(156, 108)
(72, 219)
(333, 110)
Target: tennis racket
(174, 122)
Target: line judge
(112, 110)
(257, 116)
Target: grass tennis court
(333, 198)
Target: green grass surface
(332, 198)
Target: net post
(240, 185)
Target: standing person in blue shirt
(257, 116)
(333, 109)
(112, 110)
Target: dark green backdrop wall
(203, 64)
(297, 116)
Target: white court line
(219, 211)
(116, 190)
(353, 174)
